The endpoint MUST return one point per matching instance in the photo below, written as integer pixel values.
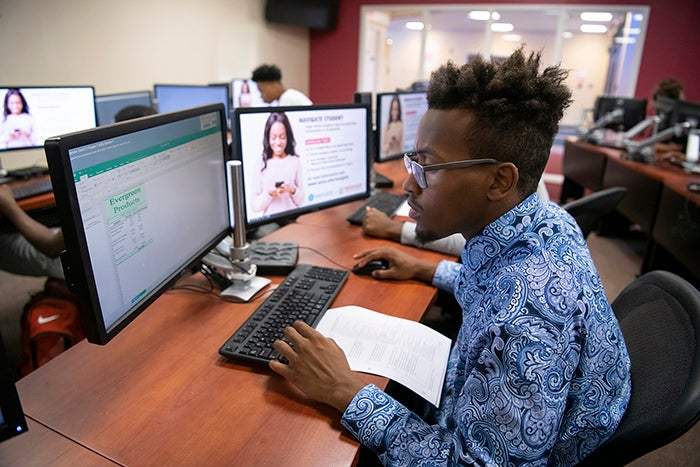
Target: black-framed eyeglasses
(418, 170)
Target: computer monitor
(246, 94)
(664, 108)
(171, 97)
(630, 111)
(325, 158)
(685, 111)
(12, 421)
(397, 118)
(108, 105)
(31, 114)
(140, 202)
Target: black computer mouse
(373, 265)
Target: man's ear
(505, 181)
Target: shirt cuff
(368, 415)
(446, 275)
(408, 234)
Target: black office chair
(590, 209)
(659, 314)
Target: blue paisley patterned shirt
(539, 374)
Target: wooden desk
(46, 447)
(40, 207)
(159, 393)
(657, 200)
(583, 167)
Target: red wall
(671, 48)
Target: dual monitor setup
(145, 200)
(620, 121)
(131, 229)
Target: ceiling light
(479, 15)
(495, 16)
(414, 25)
(501, 27)
(596, 16)
(512, 37)
(567, 34)
(594, 28)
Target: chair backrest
(590, 209)
(659, 314)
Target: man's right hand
(402, 266)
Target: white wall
(130, 45)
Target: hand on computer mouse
(370, 266)
(401, 266)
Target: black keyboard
(33, 188)
(381, 181)
(305, 294)
(382, 200)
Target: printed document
(405, 351)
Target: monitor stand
(241, 291)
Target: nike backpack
(50, 325)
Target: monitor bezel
(75, 86)
(684, 108)
(76, 256)
(10, 404)
(141, 93)
(665, 108)
(293, 214)
(378, 158)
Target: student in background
(392, 136)
(539, 374)
(671, 88)
(33, 250)
(17, 129)
(269, 81)
(133, 111)
(280, 182)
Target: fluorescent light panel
(594, 28)
(483, 15)
(415, 25)
(596, 16)
(501, 27)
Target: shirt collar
(500, 234)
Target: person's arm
(451, 245)
(46, 240)
(378, 224)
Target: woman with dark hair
(17, 123)
(245, 99)
(280, 181)
(392, 137)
